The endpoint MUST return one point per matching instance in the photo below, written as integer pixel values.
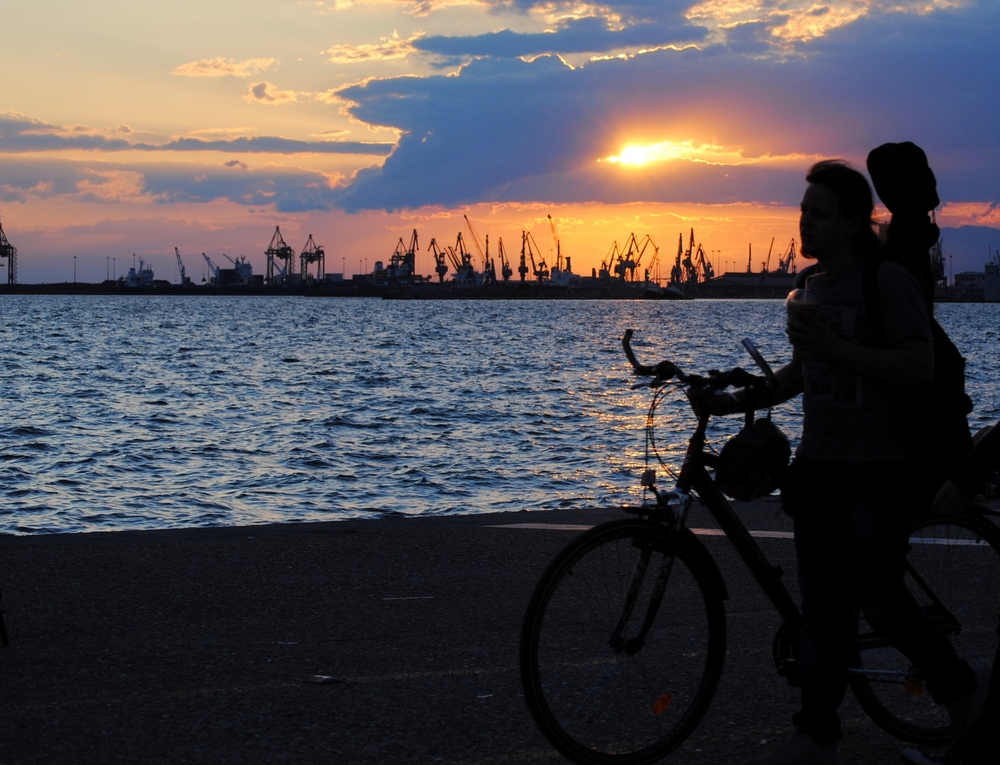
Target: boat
(141, 278)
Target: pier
(363, 642)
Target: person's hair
(854, 199)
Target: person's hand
(949, 500)
(809, 335)
(718, 402)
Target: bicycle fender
(687, 538)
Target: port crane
(635, 249)
(180, 267)
(555, 238)
(625, 266)
(461, 259)
(786, 263)
(707, 272)
(677, 272)
(630, 258)
(766, 265)
(8, 252)
(528, 244)
(440, 267)
(505, 270)
(645, 242)
(609, 260)
(214, 269)
(489, 268)
(403, 261)
(276, 251)
(475, 242)
(313, 253)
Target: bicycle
(624, 638)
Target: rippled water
(145, 412)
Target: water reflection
(178, 411)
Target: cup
(800, 302)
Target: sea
(138, 412)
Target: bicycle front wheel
(598, 696)
(954, 573)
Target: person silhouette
(851, 521)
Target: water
(144, 412)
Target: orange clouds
(271, 95)
(389, 48)
(222, 67)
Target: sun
(637, 156)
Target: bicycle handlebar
(714, 381)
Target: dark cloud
(287, 189)
(589, 35)
(20, 134)
(290, 190)
(507, 130)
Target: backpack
(939, 414)
(941, 426)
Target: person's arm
(789, 379)
(910, 363)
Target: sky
(131, 127)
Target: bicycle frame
(694, 476)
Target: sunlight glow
(633, 155)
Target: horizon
(134, 128)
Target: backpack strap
(873, 301)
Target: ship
(141, 278)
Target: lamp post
(74, 269)
(114, 269)
(107, 267)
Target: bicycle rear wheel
(954, 574)
(597, 701)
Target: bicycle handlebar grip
(640, 369)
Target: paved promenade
(200, 645)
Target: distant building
(978, 285)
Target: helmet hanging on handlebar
(752, 462)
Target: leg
(821, 540)
(880, 529)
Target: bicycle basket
(752, 462)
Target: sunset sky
(130, 126)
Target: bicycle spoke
(596, 702)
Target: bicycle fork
(665, 532)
